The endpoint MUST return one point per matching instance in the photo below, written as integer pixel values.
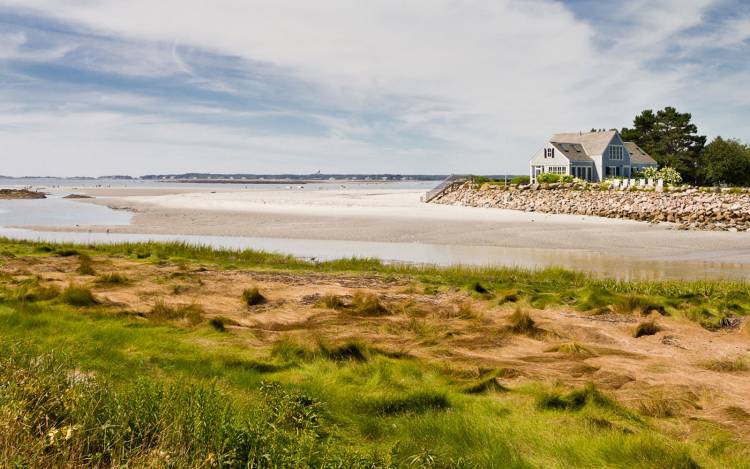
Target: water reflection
(598, 264)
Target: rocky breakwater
(689, 208)
(6, 194)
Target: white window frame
(616, 152)
(549, 153)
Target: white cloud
(487, 79)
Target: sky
(97, 87)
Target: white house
(592, 156)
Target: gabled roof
(572, 151)
(594, 143)
(637, 155)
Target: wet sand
(399, 216)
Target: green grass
(205, 398)
(75, 295)
(709, 303)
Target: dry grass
(520, 322)
(728, 364)
(191, 313)
(368, 304)
(646, 328)
(572, 349)
(253, 297)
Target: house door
(537, 171)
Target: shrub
(78, 296)
(548, 178)
(368, 305)
(646, 328)
(253, 297)
(520, 180)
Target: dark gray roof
(593, 143)
(572, 151)
(637, 155)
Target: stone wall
(689, 208)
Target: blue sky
(426, 86)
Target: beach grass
(709, 303)
(88, 384)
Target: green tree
(670, 138)
(725, 162)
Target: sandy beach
(397, 215)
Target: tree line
(673, 141)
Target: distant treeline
(300, 177)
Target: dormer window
(616, 152)
(549, 152)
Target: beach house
(592, 156)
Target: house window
(613, 171)
(557, 169)
(549, 152)
(616, 152)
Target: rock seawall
(689, 208)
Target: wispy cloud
(427, 85)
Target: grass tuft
(253, 297)
(85, 266)
(573, 400)
(728, 364)
(192, 313)
(573, 349)
(416, 402)
(75, 295)
(520, 322)
(368, 304)
(112, 278)
(646, 328)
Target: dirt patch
(466, 335)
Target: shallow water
(420, 253)
(58, 212)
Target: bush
(548, 178)
(669, 175)
(520, 180)
(78, 296)
(253, 297)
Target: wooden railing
(444, 186)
